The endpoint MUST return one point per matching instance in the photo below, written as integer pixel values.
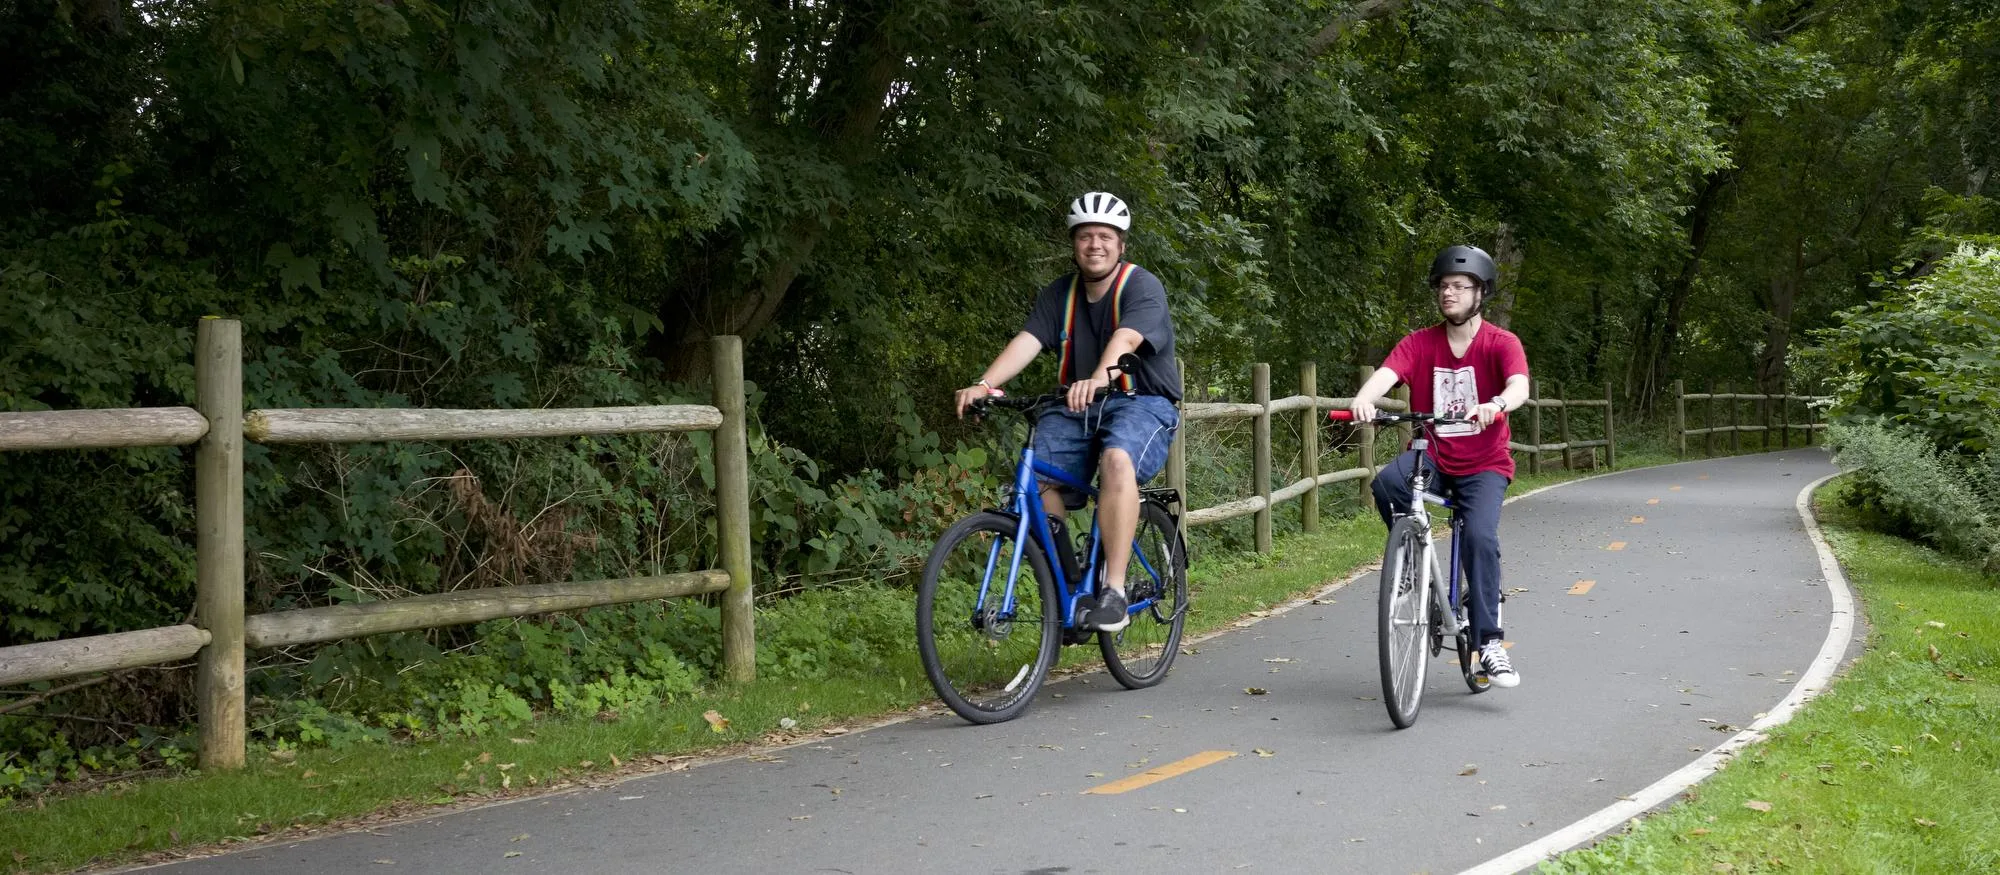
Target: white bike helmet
(1100, 208)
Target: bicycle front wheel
(985, 656)
(1404, 622)
(1156, 587)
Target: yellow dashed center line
(1652, 501)
(1673, 489)
(1616, 545)
(1581, 587)
(1638, 519)
(1160, 773)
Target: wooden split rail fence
(1736, 428)
(1311, 403)
(220, 632)
(1564, 445)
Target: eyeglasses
(1456, 287)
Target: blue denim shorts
(1143, 426)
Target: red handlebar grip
(1340, 415)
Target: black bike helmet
(1470, 260)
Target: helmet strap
(1477, 308)
(1101, 277)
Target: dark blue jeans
(1478, 505)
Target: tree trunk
(864, 59)
(1657, 348)
(1785, 285)
(1594, 354)
(1507, 256)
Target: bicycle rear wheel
(985, 661)
(1404, 622)
(1468, 649)
(1156, 586)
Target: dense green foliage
(514, 204)
(1927, 355)
(1916, 378)
(1911, 488)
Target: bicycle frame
(1447, 594)
(1025, 502)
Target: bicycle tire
(1140, 654)
(986, 667)
(1403, 622)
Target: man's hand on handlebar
(973, 393)
(1083, 392)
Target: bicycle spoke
(986, 637)
(1156, 587)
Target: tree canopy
(523, 203)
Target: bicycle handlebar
(1034, 402)
(1385, 418)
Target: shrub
(1913, 489)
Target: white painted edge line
(1840, 631)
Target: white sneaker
(1498, 669)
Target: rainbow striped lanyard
(1073, 307)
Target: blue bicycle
(988, 637)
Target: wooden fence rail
(221, 632)
(1534, 448)
(1311, 403)
(1766, 403)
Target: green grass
(1894, 769)
(313, 788)
(147, 818)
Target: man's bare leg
(1117, 513)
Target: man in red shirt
(1463, 368)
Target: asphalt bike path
(1653, 613)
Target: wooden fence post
(218, 502)
(1735, 436)
(1610, 431)
(1309, 447)
(1764, 419)
(1177, 454)
(732, 511)
(1562, 425)
(1367, 438)
(1408, 429)
(1260, 386)
(1812, 419)
(1680, 419)
(1785, 414)
(1535, 427)
(1708, 436)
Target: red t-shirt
(1451, 385)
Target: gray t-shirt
(1141, 305)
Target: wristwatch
(1499, 401)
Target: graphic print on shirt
(1454, 393)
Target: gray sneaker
(1498, 668)
(1110, 614)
